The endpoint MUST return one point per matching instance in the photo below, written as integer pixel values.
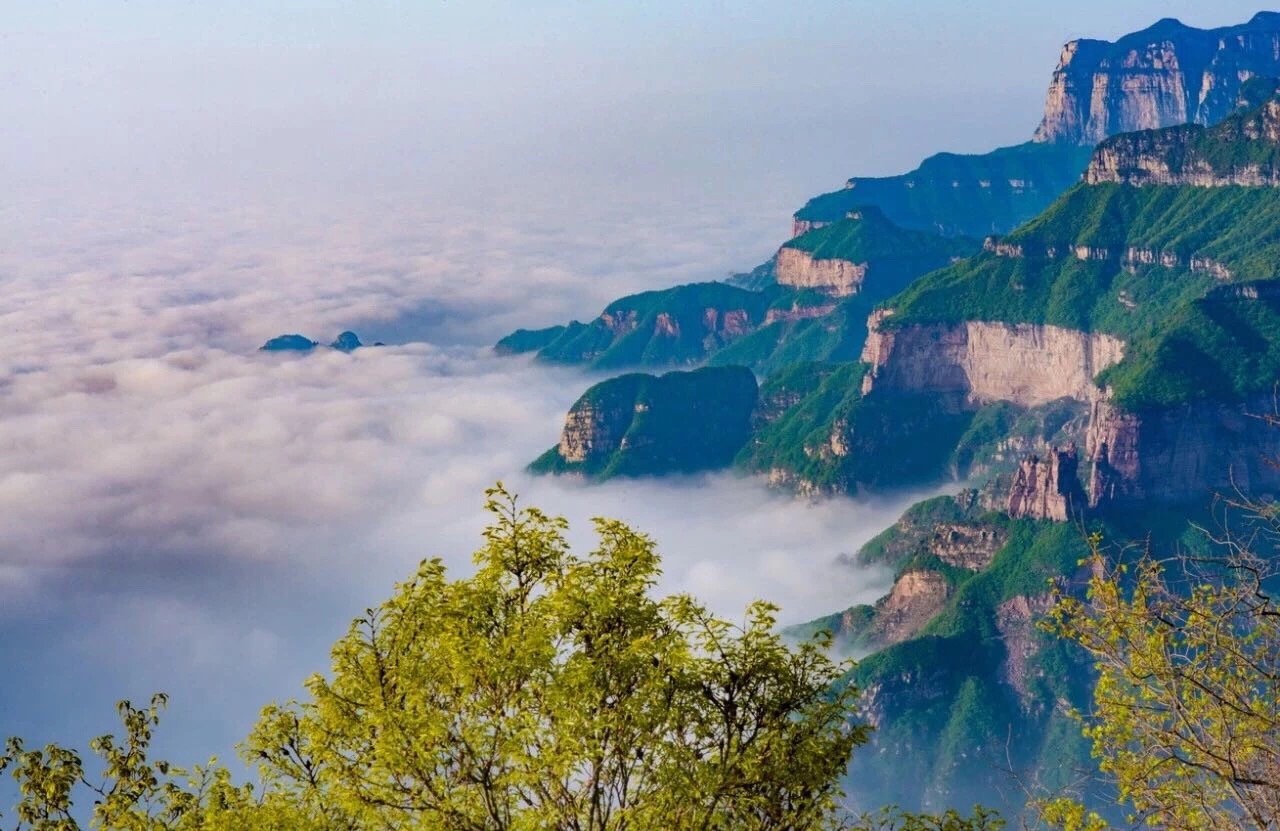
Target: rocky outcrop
(1166, 75)
(801, 270)
(796, 313)
(1183, 452)
(966, 545)
(1047, 487)
(917, 596)
(804, 226)
(1016, 621)
(636, 425)
(1196, 156)
(983, 362)
(1130, 257)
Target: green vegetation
(834, 440)
(528, 340)
(969, 195)
(549, 691)
(870, 236)
(1185, 714)
(681, 325)
(1188, 339)
(681, 422)
(836, 336)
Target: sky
(185, 180)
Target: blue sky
(805, 93)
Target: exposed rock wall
(1016, 621)
(1047, 487)
(966, 545)
(1129, 256)
(1165, 75)
(983, 362)
(798, 313)
(839, 278)
(1183, 452)
(1190, 155)
(914, 600)
(593, 429)
(804, 226)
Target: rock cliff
(1167, 74)
(864, 252)
(979, 362)
(1047, 487)
(637, 424)
(801, 270)
(1242, 150)
(1183, 452)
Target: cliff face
(917, 596)
(1047, 487)
(801, 270)
(1183, 452)
(981, 363)
(635, 425)
(1243, 150)
(1165, 75)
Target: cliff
(1243, 150)
(1047, 487)
(636, 425)
(864, 253)
(1165, 75)
(979, 363)
(671, 327)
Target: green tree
(1186, 709)
(548, 691)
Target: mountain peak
(1167, 74)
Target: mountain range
(1084, 329)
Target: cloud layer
(181, 512)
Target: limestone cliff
(980, 362)
(1167, 74)
(864, 253)
(967, 545)
(1182, 452)
(801, 270)
(913, 601)
(1047, 487)
(1243, 150)
(636, 425)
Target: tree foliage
(1186, 708)
(546, 691)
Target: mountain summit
(1164, 75)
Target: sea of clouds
(181, 512)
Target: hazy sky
(184, 180)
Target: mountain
(680, 325)
(636, 424)
(864, 252)
(958, 195)
(1162, 76)
(814, 306)
(1104, 366)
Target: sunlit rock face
(1167, 74)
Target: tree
(1186, 709)
(548, 691)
